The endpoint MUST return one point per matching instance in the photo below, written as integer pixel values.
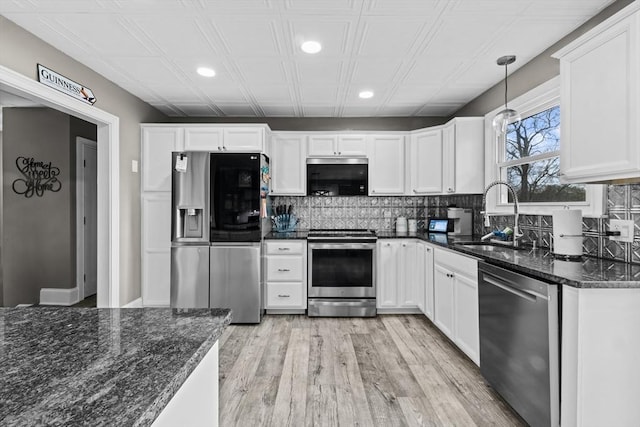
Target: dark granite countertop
(98, 367)
(295, 235)
(588, 272)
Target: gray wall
(325, 123)
(537, 71)
(21, 52)
(37, 250)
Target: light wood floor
(393, 370)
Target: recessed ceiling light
(206, 72)
(311, 47)
(366, 94)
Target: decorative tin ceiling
(419, 57)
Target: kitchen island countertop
(98, 367)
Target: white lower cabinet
(424, 278)
(156, 248)
(286, 274)
(456, 300)
(397, 285)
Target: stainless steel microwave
(337, 176)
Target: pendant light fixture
(508, 115)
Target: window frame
(542, 97)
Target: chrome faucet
(487, 223)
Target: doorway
(86, 217)
(108, 206)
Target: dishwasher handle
(522, 293)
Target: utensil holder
(284, 223)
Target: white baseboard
(136, 303)
(55, 296)
(398, 311)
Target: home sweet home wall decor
(37, 177)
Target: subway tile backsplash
(379, 213)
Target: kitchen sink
(485, 246)
(480, 246)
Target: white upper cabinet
(329, 145)
(203, 139)
(463, 155)
(288, 164)
(224, 138)
(600, 98)
(424, 162)
(386, 165)
(244, 139)
(156, 146)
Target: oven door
(342, 270)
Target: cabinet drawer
(284, 295)
(284, 268)
(457, 263)
(285, 247)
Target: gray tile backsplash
(379, 213)
(622, 201)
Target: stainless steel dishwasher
(519, 342)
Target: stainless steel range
(342, 273)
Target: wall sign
(58, 81)
(37, 177)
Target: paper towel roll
(567, 232)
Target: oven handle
(344, 245)
(526, 294)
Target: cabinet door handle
(284, 249)
(284, 269)
(428, 249)
(414, 190)
(339, 153)
(219, 148)
(404, 245)
(283, 296)
(224, 148)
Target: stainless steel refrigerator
(219, 219)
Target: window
(532, 160)
(528, 158)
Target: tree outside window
(532, 160)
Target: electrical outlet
(624, 226)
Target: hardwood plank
(380, 392)
(399, 374)
(321, 353)
(473, 392)
(256, 408)
(353, 407)
(275, 350)
(322, 407)
(418, 411)
(412, 350)
(443, 398)
(241, 375)
(233, 345)
(295, 370)
(290, 405)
